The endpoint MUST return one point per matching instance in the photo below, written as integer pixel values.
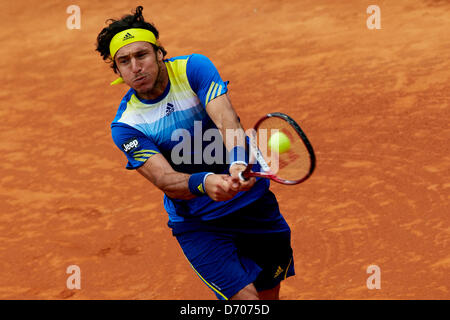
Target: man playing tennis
(230, 230)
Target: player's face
(140, 67)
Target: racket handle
(242, 177)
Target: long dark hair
(135, 20)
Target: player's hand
(219, 187)
(235, 169)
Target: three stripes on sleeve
(214, 91)
(143, 155)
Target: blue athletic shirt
(143, 128)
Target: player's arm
(176, 184)
(144, 156)
(211, 90)
(222, 113)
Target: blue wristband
(197, 183)
(237, 155)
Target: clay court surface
(374, 103)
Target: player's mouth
(139, 80)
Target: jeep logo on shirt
(130, 145)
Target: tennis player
(231, 231)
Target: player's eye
(141, 54)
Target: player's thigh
(247, 293)
(214, 258)
(273, 253)
(270, 294)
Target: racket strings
(290, 164)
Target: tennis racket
(291, 163)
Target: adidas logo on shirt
(169, 109)
(128, 36)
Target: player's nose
(135, 66)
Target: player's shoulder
(193, 60)
(190, 57)
(178, 58)
(198, 59)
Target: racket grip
(242, 177)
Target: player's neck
(161, 83)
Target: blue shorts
(227, 259)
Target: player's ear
(159, 54)
(116, 68)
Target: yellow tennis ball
(279, 142)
